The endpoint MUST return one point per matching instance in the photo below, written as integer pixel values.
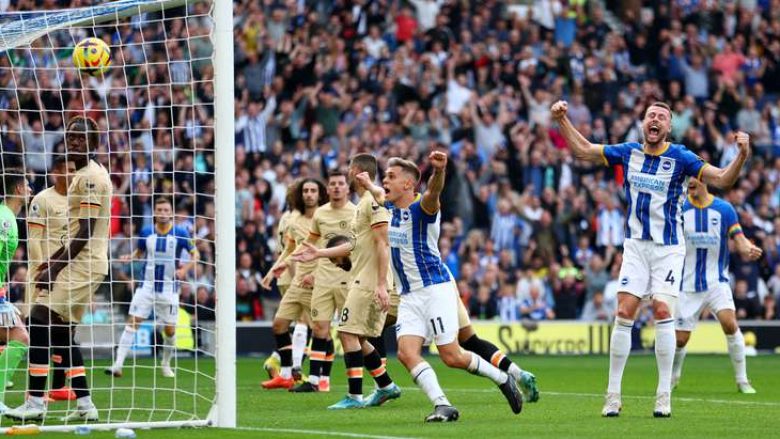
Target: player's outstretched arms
(430, 202)
(376, 191)
(747, 249)
(724, 178)
(309, 252)
(580, 146)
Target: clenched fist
(743, 143)
(559, 110)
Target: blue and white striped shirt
(163, 253)
(707, 231)
(414, 248)
(655, 188)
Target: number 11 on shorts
(441, 326)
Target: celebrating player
(656, 175)
(161, 249)
(16, 191)
(330, 282)
(429, 301)
(47, 222)
(467, 337)
(71, 275)
(296, 302)
(365, 310)
(709, 223)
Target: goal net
(163, 135)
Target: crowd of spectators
(529, 231)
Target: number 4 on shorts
(670, 277)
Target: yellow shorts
(71, 294)
(326, 301)
(282, 289)
(395, 299)
(361, 314)
(295, 303)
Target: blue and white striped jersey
(655, 188)
(414, 248)
(163, 253)
(707, 231)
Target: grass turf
(705, 404)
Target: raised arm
(724, 178)
(430, 200)
(376, 191)
(382, 248)
(580, 146)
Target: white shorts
(430, 313)
(691, 304)
(649, 268)
(165, 306)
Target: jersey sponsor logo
(648, 183)
(397, 238)
(702, 239)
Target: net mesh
(154, 108)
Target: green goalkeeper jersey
(9, 240)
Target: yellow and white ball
(92, 56)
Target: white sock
(514, 371)
(619, 349)
(679, 358)
(314, 380)
(85, 402)
(125, 343)
(665, 344)
(275, 354)
(299, 338)
(478, 366)
(425, 377)
(169, 345)
(736, 344)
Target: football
(92, 56)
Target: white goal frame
(223, 412)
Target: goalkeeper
(15, 193)
(70, 276)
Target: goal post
(225, 195)
(165, 112)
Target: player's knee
(682, 338)
(730, 327)
(279, 326)
(170, 331)
(454, 358)
(663, 306)
(465, 333)
(320, 329)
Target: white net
(154, 109)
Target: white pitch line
(320, 433)
(595, 395)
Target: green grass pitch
(705, 405)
